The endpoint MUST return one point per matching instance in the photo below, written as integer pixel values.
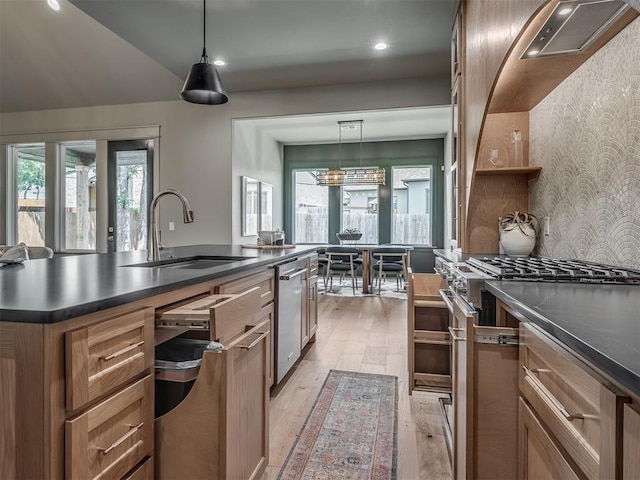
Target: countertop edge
(627, 378)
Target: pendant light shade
(203, 84)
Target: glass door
(130, 187)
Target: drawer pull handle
(454, 337)
(121, 440)
(539, 386)
(540, 370)
(255, 342)
(133, 346)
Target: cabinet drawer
(539, 457)
(225, 316)
(109, 439)
(263, 279)
(104, 356)
(144, 471)
(578, 409)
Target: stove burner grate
(554, 270)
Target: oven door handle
(447, 296)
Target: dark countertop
(599, 322)
(49, 291)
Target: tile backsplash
(586, 137)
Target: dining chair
(342, 259)
(390, 259)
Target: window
(411, 221)
(132, 200)
(79, 190)
(29, 164)
(360, 211)
(311, 213)
(406, 208)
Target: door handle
(289, 276)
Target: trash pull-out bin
(177, 364)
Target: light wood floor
(363, 334)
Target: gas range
(467, 278)
(543, 269)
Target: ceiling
(104, 52)
(378, 125)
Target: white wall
(259, 156)
(196, 143)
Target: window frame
(401, 153)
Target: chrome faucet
(187, 213)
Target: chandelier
(350, 176)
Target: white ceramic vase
(516, 242)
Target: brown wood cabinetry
(631, 442)
(541, 458)
(485, 392)
(220, 430)
(104, 356)
(429, 340)
(265, 281)
(108, 440)
(77, 396)
(579, 412)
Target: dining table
(366, 261)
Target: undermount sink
(195, 263)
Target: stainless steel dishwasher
(289, 302)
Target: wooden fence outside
(409, 229)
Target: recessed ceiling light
(381, 46)
(533, 53)
(219, 63)
(565, 11)
(54, 4)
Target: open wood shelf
(532, 173)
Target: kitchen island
(69, 286)
(77, 341)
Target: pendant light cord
(361, 122)
(204, 58)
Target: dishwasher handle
(289, 276)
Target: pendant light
(352, 176)
(203, 84)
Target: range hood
(573, 26)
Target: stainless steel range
(467, 279)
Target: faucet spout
(187, 215)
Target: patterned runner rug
(351, 432)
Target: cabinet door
(462, 390)
(247, 417)
(266, 313)
(538, 455)
(631, 444)
(221, 428)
